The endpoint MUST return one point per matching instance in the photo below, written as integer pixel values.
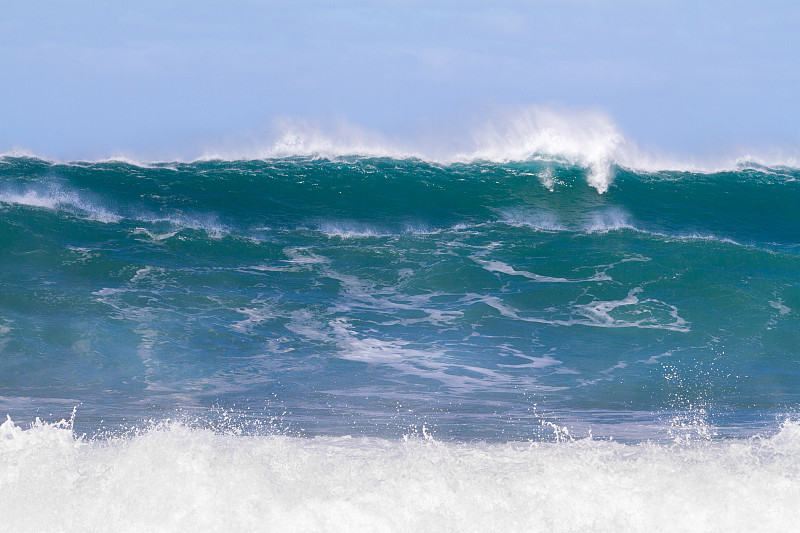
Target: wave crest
(589, 139)
(586, 138)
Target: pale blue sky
(160, 80)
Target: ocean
(378, 343)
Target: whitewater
(537, 327)
(174, 478)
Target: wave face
(387, 344)
(366, 296)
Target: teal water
(375, 296)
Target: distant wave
(586, 138)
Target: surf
(53, 479)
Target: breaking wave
(587, 138)
(173, 477)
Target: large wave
(588, 138)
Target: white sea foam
(609, 220)
(299, 259)
(4, 331)
(402, 355)
(628, 312)
(154, 236)
(201, 222)
(372, 350)
(780, 306)
(350, 230)
(360, 230)
(543, 361)
(303, 256)
(175, 478)
(503, 268)
(539, 219)
(603, 221)
(255, 316)
(57, 198)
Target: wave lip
(585, 138)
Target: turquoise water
(374, 297)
